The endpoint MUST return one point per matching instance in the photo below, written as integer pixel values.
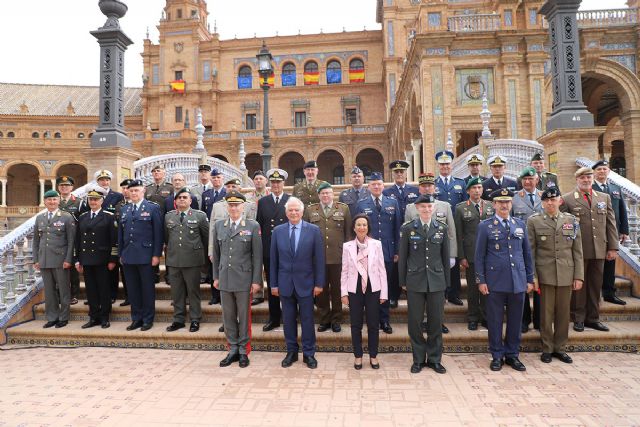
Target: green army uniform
(307, 192)
(157, 193)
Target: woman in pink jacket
(363, 286)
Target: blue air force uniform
(503, 261)
(210, 197)
(140, 237)
(385, 226)
(404, 195)
(452, 192)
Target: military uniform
(186, 237)
(556, 248)
(117, 273)
(599, 235)
(423, 266)
(351, 197)
(53, 244)
(441, 213)
(335, 227)
(210, 197)
(409, 194)
(467, 218)
(452, 193)
(307, 192)
(490, 185)
(96, 246)
(197, 191)
(469, 177)
(237, 253)
(219, 211)
(158, 193)
(503, 263)
(140, 237)
(73, 205)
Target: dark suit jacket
(269, 216)
(140, 235)
(618, 205)
(304, 270)
(208, 199)
(97, 239)
(385, 225)
(489, 185)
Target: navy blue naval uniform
(503, 261)
(490, 185)
(140, 237)
(408, 195)
(109, 204)
(385, 226)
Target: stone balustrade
(474, 23)
(607, 18)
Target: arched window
(80, 135)
(57, 135)
(334, 72)
(11, 135)
(245, 80)
(35, 135)
(289, 74)
(356, 71)
(311, 74)
(1, 134)
(90, 135)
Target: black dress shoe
(50, 324)
(62, 324)
(146, 326)
(423, 326)
(564, 357)
(374, 365)
(615, 300)
(386, 328)
(229, 360)
(221, 328)
(195, 326)
(545, 357)
(437, 366)
(243, 361)
(125, 303)
(515, 363)
(86, 303)
(598, 326)
(73, 301)
(214, 300)
(105, 324)
(455, 301)
(496, 364)
(484, 324)
(175, 326)
(90, 324)
(289, 359)
(357, 366)
(393, 303)
(323, 327)
(335, 327)
(257, 301)
(113, 300)
(578, 326)
(310, 361)
(134, 325)
(445, 330)
(416, 368)
(269, 326)
(473, 326)
(524, 328)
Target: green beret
(323, 186)
(51, 193)
(474, 181)
(527, 172)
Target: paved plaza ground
(127, 387)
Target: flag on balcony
(177, 86)
(311, 78)
(269, 81)
(356, 75)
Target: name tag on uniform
(245, 233)
(338, 215)
(602, 205)
(390, 208)
(58, 224)
(192, 221)
(457, 187)
(367, 211)
(519, 233)
(145, 214)
(412, 195)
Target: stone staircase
(623, 321)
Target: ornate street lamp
(266, 70)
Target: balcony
(474, 23)
(607, 18)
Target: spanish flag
(269, 81)
(356, 75)
(177, 86)
(311, 78)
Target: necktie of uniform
(292, 240)
(182, 214)
(204, 187)
(506, 225)
(400, 191)
(499, 183)
(378, 206)
(477, 207)
(533, 203)
(233, 227)
(135, 208)
(587, 197)
(93, 215)
(605, 188)
(277, 200)
(215, 194)
(326, 210)
(49, 216)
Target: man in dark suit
(403, 193)
(601, 173)
(140, 241)
(178, 182)
(213, 194)
(297, 276)
(270, 214)
(384, 214)
(504, 273)
(474, 163)
(497, 180)
(357, 192)
(96, 253)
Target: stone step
(212, 313)
(624, 336)
(163, 290)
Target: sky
(48, 42)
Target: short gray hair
(292, 200)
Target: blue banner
(289, 79)
(244, 82)
(334, 76)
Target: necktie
(400, 191)
(204, 187)
(587, 197)
(215, 194)
(378, 206)
(181, 217)
(233, 227)
(277, 200)
(50, 215)
(93, 215)
(357, 193)
(135, 208)
(499, 183)
(531, 199)
(326, 211)
(446, 181)
(605, 188)
(477, 207)
(506, 225)
(292, 240)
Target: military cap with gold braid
(501, 195)
(397, 165)
(96, 192)
(276, 174)
(233, 181)
(234, 196)
(426, 178)
(475, 159)
(64, 180)
(444, 156)
(497, 160)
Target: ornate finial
(449, 141)
(149, 126)
(199, 133)
(485, 115)
(113, 10)
(242, 154)
(215, 26)
(147, 33)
